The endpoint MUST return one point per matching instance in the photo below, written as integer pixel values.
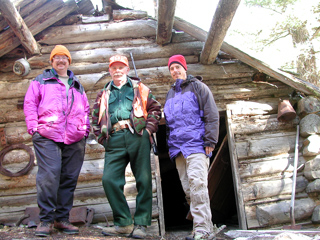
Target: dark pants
(59, 166)
(124, 147)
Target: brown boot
(117, 230)
(66, 227)
(43, 229)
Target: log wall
(264, 146)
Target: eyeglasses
(60, 58)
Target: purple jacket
(192, 118)
(49, 112)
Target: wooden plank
(221, 22)
(155, 159)
(166, 10)
(235, 172)
(98, 32)
(268, 144)
(125, 14)
(265, 189)
(19, 27)
(36, 23)
(284, 77)
(265, 123)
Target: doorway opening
(220, 185)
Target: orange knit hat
(61, 50)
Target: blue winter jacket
(192, 118)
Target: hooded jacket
(192, 117)
(51, 113)
(145, 111)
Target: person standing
(57, 113)
(192, 121)
(124, 116)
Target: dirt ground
(86, 233)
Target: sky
(246, 19)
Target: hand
(209, 150)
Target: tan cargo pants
(193, 173)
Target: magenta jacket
(49, 112)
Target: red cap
(120, 59)
(178, 59)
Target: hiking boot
(43, 229)
(118, 230)
(201, 235)
(139, 232)
(66, 227)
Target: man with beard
(57, 116)
(192, 122)
(124, 116)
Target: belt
(122, 125)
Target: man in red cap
(192, 120)
(57, 116)
(124, 116)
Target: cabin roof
(21, 21)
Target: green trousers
(124, 147)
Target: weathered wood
(84, 195)
(149, 76)
(19, 27)
(124, 14)
(166, 10)
(264, 123)
(21, 5)
(268, 165)
(36, 23)
(265, 189)
(221, 22)
(155, 159)
(102, 55)
(277, 213)
(265, 234)
(235, 173)
(89, 19)
(98, 32)
(101, 207)
(90, 171)
(286, 78)
(268, 144)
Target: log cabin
(251, 171)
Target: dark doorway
(221, 189)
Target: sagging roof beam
(166, 10)
(221, 22)
(18, 26)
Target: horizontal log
(97, 32)
(150, 75)
(261, 123)
(268, 144)
(83, 195)
(95, 19)
(265, 189)
(102, 55)
(267, 166)
(278, 213)
(102, 211)
(128, 14)
(91, 170)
